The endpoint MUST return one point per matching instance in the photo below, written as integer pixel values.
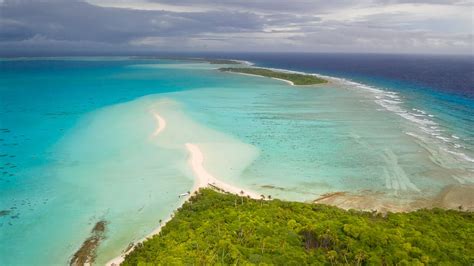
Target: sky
(118, 26)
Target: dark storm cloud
(276, 25)
(265, 5)
(64, 20)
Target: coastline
(451, 197)
(131, 220)
(390, 100)
(326, 79)
(203, 179)
(284, 80)
(341, 199)
(253, 75)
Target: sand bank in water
(161, 124)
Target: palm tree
(269, 197)
(360, 257)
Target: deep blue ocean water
(453, 74)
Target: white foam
(391, 101)
(460, 155)
(421, 118)
(244, 62)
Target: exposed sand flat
(204, 179)
(457, 197)
(161, 124)
(364, 201)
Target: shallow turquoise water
(76, 146)
(334, 138)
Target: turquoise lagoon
(77, 146)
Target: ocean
(78, 145)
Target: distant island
(294, 78)
(223, 61)
(222, 228)
(214, 61)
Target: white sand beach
(284, 80)
(204, 179)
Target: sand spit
(202, 179)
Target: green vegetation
(297, 79)
(215, 228)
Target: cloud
(436, 26)
(84, 22)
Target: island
(223, 61)
(293, 78)
(213, 227)
(213, 61)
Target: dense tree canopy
(297, 79)
(216, 228)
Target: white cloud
(146, 5)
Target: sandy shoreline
(329, 80)
(202, 179)
(456, 197)
(253, 75)
(285, 80)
